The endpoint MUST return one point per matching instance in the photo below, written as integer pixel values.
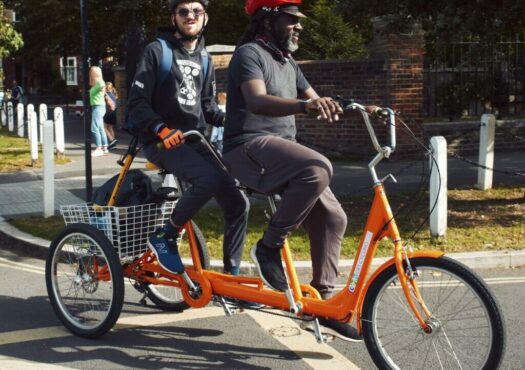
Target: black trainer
(270, 266)
(336, 328)
(112, 144)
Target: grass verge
(477, 221)
(15, 153)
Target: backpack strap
(165, 61)
(205, 61)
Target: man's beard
(289, 45)
(286, 43)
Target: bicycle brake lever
(387, 177)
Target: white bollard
(49, 170)
(10, 122)
(20, 119)
(59, 130)
(487, 133)
(33, 137)
(3, 115)
(42, 117)
(30, 110)
(438, 186)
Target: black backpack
(136, 189)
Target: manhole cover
(285, 331)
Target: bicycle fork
(407, 278)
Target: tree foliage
(10, 39)
(444, 21)
(328, 36)
(53, 26)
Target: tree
(10, 39)
(327, 35)
(444, 21)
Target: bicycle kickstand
(312, 326)
(228, 310)
(317, 332)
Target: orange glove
(171, 138)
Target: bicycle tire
(170, 298)
(469, 329)
(84, 280)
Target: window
(69, 71)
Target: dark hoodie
(184, 101)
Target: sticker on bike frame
(361, 260)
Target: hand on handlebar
(327, 108)
(376, 111)
(171, 138)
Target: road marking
(304, 344)
(54, 332)
(19, 267)
(13, 263)
(488, 281)
(166, 318)
(20, 336)
(12, 363)
(318, 356)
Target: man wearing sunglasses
(165, 108)
(266, 88)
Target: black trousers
(195, 165)
(301, 176)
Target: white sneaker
(105, 151)
(97, 152)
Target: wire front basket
(127, 228)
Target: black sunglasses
(185, 12)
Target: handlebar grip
(382, 112)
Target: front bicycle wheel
(170, 298)
(467, 325)
(84, 280)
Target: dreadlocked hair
(255, 28)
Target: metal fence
(469, 78)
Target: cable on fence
(464, 159)
(510, 133)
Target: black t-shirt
(282, 77)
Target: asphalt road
(147, 338)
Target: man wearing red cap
(266, 89)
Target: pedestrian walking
(98, 109)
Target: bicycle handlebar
(385, 112)
(205, 141)
(382, 152)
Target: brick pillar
(403, 55)
(120, 85)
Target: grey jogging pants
(194, 164)
(301, 176)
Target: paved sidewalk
(22, 193)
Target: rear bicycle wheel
(84, 280)
(467, 324)
(170, 298)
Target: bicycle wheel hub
(433, 326)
